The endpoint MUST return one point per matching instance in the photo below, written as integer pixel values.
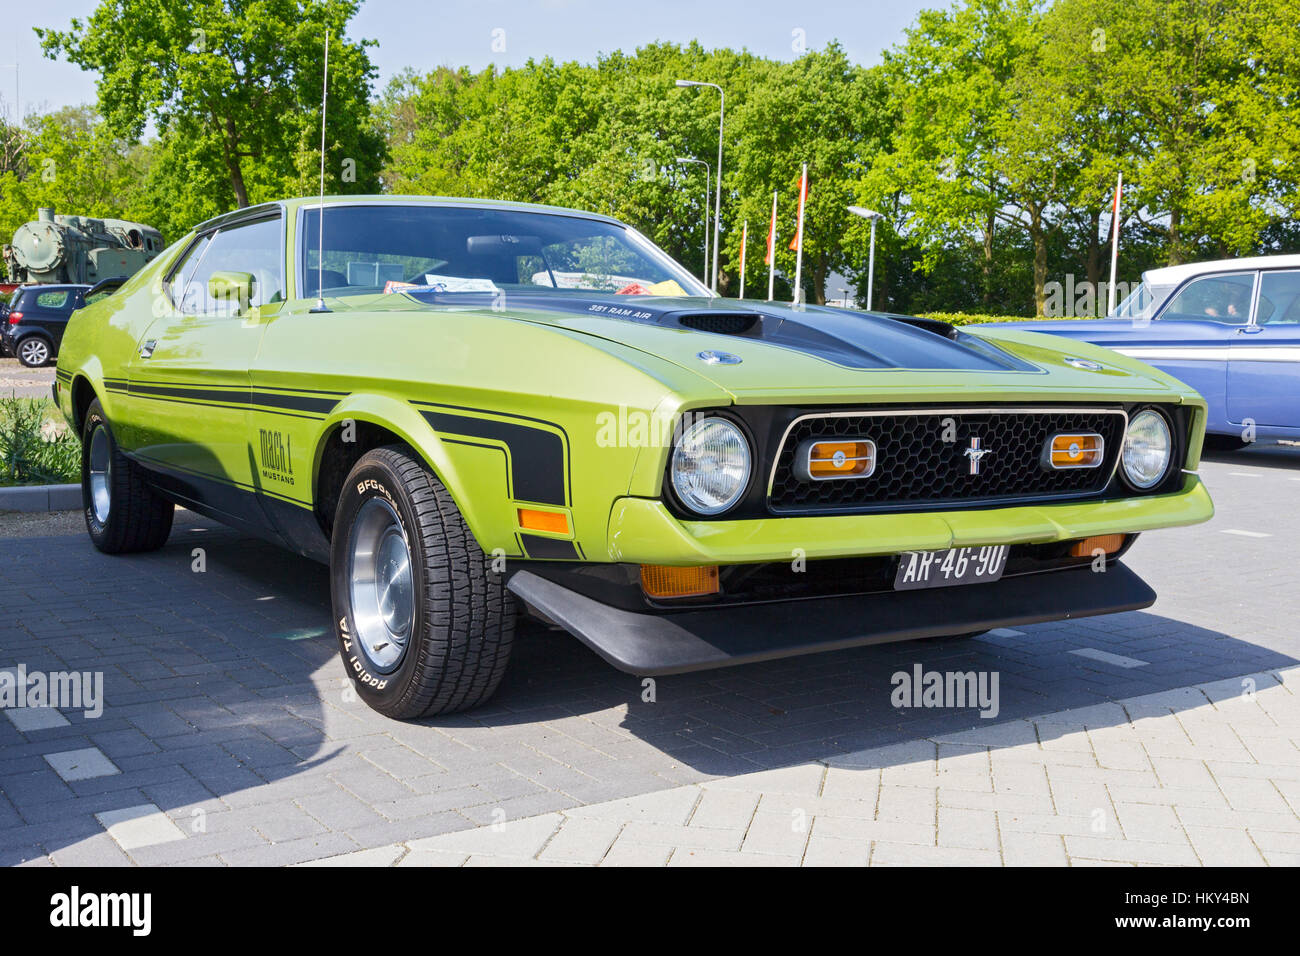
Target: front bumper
(650, 644)
(642, 530)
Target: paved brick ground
(229, 735)
(1201, 775)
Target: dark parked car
(38, 314)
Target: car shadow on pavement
(1262, 454)
(227, 709)
(778, 713)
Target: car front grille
(923, 459)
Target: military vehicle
(78, 249)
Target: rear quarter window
(52, 300)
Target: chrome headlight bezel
(689, 446)
(1165, 430)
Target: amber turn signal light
(662, 581)
(1083, 450)
(556, 522)
(821, 460)
(1107, 543)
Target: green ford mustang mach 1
(475, 410)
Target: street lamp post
(871, 214)
(717, 199)
(687, 159)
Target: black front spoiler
(677, 642)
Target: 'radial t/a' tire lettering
(424, 626)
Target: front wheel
(123, 513)
(424, 626)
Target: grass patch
(36, 445)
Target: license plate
(941, 569)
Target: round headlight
(710, 466)
(1148, 447)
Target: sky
(507, 33)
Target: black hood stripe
(858, 340)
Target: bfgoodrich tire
(424, 626)
(123, 514)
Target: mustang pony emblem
(975, 453)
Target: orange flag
(797, 241)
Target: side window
(182, 273)
(1224, 299)
(52, 300)
(253, 248)
(1279, 299)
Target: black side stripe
(226, 396)
(537, 456)
(549, 548)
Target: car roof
(290, 206)
(1174, 275)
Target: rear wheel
(123, 513)
(34, 351)
(424, 626)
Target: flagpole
(771, 252)
(744, 241)
(1114, 245)
(798, 239)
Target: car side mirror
(236, 287)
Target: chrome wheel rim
(382, 585)
(100, 463)
(34, 352)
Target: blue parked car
(1230, 329)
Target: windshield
(390, 247)
(1142, 302)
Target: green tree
(1209, 95)
(239, 81)
(825, 111)
(73, 163)
(955, 171)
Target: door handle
(1250, 330)
(146, 350)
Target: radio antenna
(320, 212)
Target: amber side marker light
(1107, 543)
(553, 521)
(1084, 450)
(661, 581)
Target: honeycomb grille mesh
(725, 323)
(915, 466)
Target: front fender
(402, 419)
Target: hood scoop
(930, 325)
(719, 322)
